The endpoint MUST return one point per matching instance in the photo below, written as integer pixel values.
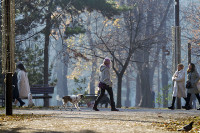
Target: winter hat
(106, 60)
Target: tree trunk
(64, 74)
(165, 79)
(92, 78)
(147, 93)
(94, 59)
(46, 54)
(127, 102)
(158, 80)
(119, 90)
(138, 91)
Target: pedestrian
(23, 84)
(179, 89)
(105, 84)
(191, 84)
(15, 91)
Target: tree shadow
(18, 130)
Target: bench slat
(42, 90)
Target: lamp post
(176, 47)
(8, 39)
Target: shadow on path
(18, 130)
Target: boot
(184, 107)
(173, 101)
(113, 106)
(198, 97)
(114, 109)
(95, 106)
(187, 105)
(21, 102)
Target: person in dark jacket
(105, 84)
(192, 79)
(15, 90)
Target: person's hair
(181, 65)
(193, 68)
(21, 67)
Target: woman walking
(23, 84)
(15, 90)
(105, 84)
(179, 85)
(192, 80)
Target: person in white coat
(179, 89)
(23, 84)
(105, 84)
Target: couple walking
(179, 88)
(21, 88)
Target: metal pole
(177, 43)
(176, 12)
(189, 53)
(7, 24)
(9, 94)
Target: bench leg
(46, 101)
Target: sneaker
(114, 109)
(198, 109)
(171, 107)
(95, 109)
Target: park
(100, 66)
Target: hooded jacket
(104, 75)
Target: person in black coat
(15, 90)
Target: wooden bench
(2, 100)
(38, 92)
(42, 92)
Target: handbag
(102, 85)
(188, 85)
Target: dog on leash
(73, 99)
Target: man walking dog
(105, 84)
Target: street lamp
(8, 46)
(176, 44)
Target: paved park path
(88, 121)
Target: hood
(103, 67)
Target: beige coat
(23, 84)
(179, 89)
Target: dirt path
(87, 121)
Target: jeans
(110, 92)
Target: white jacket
(179, 89)
(104, 75)
(23, 84)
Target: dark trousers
(110, 92)
(188, 98)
